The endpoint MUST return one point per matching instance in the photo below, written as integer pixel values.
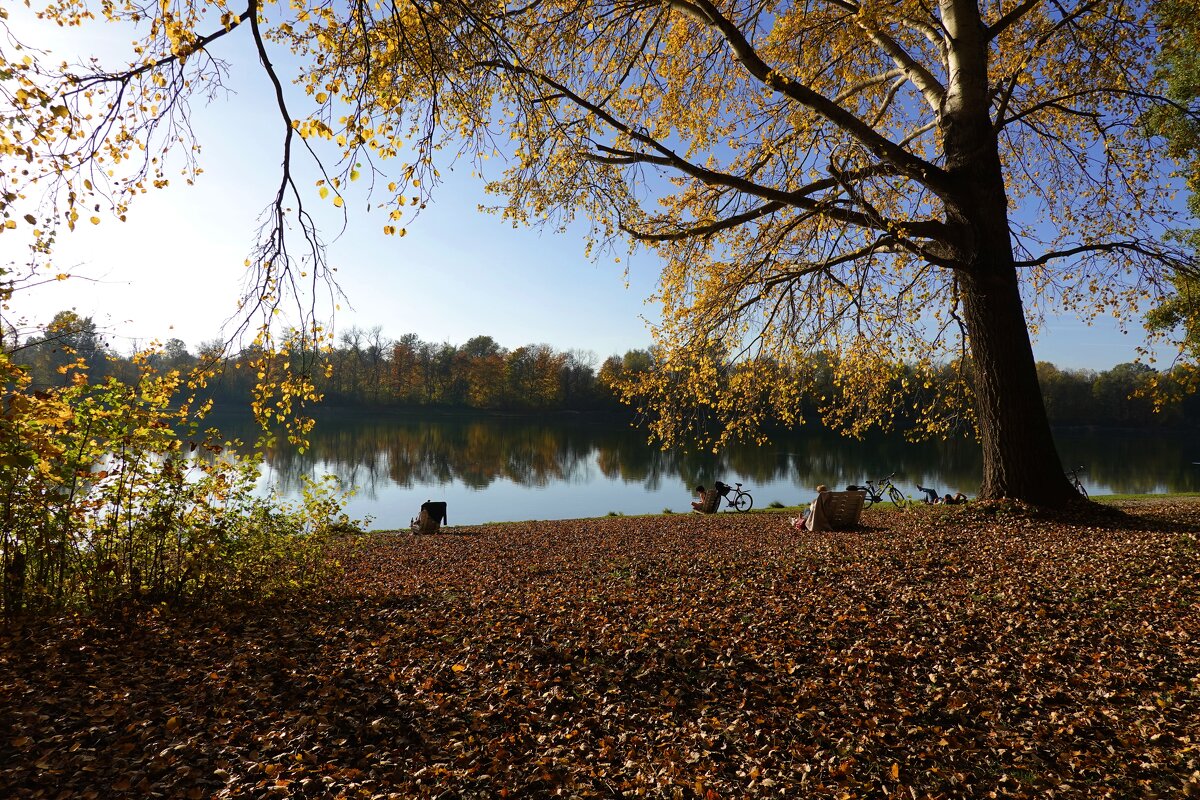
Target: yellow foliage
(822, 182)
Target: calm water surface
(497, 469)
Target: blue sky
(175, 268)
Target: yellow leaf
(337, 201)
(322, 97)
(459, 667)
(324, 192)
(94, 220)
(895, 771)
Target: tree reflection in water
(553, 468)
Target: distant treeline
(367, 369)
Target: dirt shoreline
(882, 517)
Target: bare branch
(1130, 245)
(707, 229)
(272, 255)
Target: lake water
(498, 469)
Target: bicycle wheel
(868, 498)
(743, 502)
(897, 497)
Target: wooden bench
(710, 502)
(844, 509)
(836, 510)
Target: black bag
(435, 510)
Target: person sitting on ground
(813, 517)
(708, 500)
(430, 518)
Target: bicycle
(1073, 477)
(741, 500)
(875, 495)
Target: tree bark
(1020, 459)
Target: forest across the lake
(368, 370)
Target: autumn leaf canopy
(798, 167)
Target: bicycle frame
(885, 490)
(873, 494)
(1073, 477)
(736, 497)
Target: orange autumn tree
(880, 189)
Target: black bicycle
(1073, 477)
(741, 499)
(876, 494)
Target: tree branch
(929, 86)
(667, 157)
(271, 255)
(200, 44)
(1013, 16)
(707, 229)
(883, 148)
(863, 85)
(1100, 247)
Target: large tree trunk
(1020, 460)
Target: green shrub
(103, 504)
